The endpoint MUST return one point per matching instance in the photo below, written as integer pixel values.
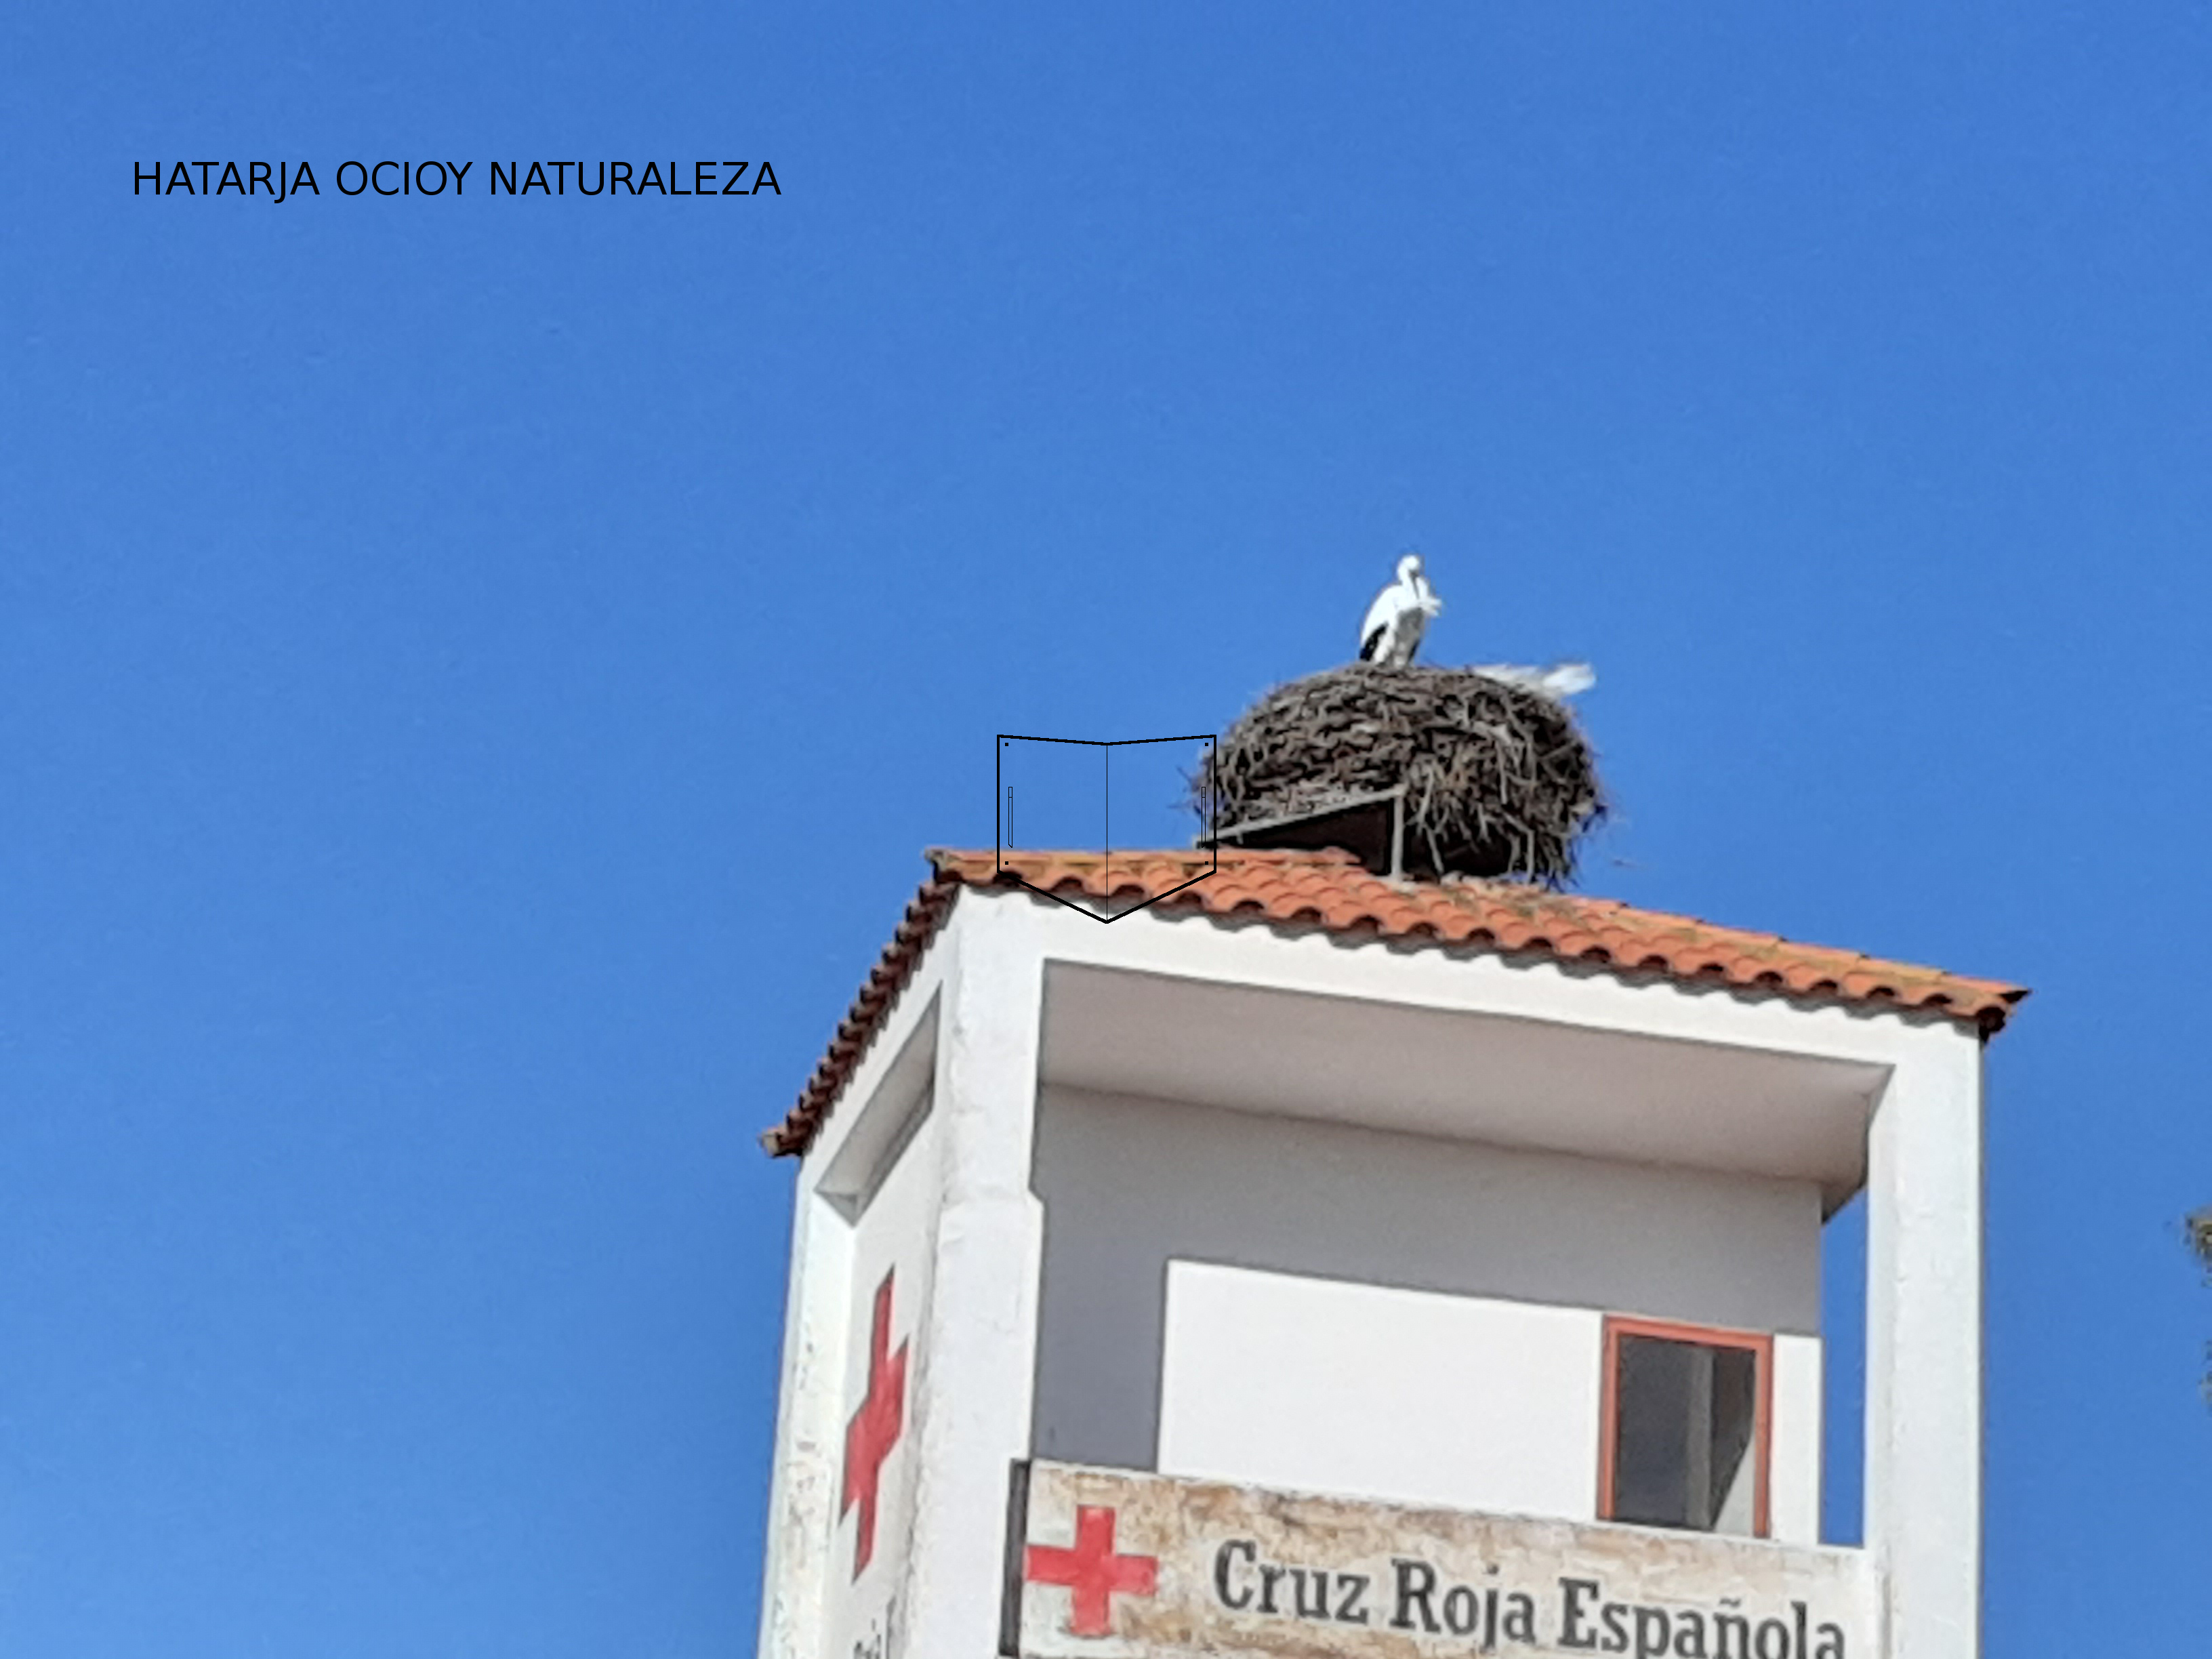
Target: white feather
(1560, 680)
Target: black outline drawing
(998, 814)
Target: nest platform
(1422, 771)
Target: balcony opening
(1685, 1426)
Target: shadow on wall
(1130, 1186)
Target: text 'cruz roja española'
(1414, 1598)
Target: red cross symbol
(875, 1427)
(1091, 1571)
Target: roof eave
(1986, 1006)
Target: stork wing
(1381, 614)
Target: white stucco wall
(1368, 1391)
(1376, 1268)
(806, 1582)
(894, 1236)
(1794, 1498)
(956, 1216)
(1924, 1422)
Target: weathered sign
(1110, 1563)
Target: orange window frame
(1760, 1344)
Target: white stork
(1400, 613)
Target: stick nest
(1499, 781)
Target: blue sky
(476, 675)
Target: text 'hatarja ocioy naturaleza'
(280, 180)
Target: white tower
(1316, 1262)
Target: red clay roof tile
(1332, 890)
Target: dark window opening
(1685, 1429)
